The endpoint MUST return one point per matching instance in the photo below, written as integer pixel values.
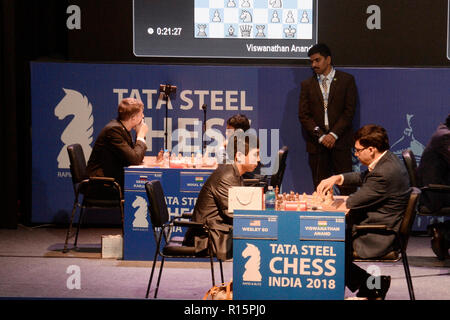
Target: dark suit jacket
(212, 208)
(381, 199)
(113, 150)
(341, 108)
(434, 168)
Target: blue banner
(72, 102)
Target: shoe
(438, 243)
(375, 294)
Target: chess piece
(304, 17)
(246, 17)
(329, 198)
(231, 31)
(216, 17)
(246, 30)
(276, 3)
(231, 4)
(260, 33)
(290, 17)
(245, 4)
(290, 32)
(201, 30)
(160, 156)
(275, 18)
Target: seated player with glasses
(382, 198)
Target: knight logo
(252, 265)
(80, 129)
(140, 215)
(406, 141)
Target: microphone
(204, 129)
(317, 132)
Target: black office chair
(97, 192)
(275, 179)
(168, 246)
(401, 239)
(411, 165)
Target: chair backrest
(157, 207)
(411, 166)
(77, 163)
(277, 178)
(409, 216)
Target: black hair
(320, 48)
(372, 135)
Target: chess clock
(166, 31)
(256, 29)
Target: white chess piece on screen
(275, 18)
(216, 17)
(231, 4)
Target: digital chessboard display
(270, 29)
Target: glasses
(358, 151)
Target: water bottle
(270, 198)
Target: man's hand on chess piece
(327, 184)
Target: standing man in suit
(114, 148)
(326, 109)
(212, 202)
(381, 199)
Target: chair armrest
(436, 188)
(375, 228)
(187, 215)
(105, 179)
(371, 227)
(188, 224)
(251, 182)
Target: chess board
(297, 202)
(253, 19)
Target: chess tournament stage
(33, 266)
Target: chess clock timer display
(165, 31)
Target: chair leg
(151, 276)
(159, 276)
(123, 215)
(70, 227)
(408, 276)
(221, 270)
(212, 270)
(80, 220)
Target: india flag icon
(322, 223)
(198, 179)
